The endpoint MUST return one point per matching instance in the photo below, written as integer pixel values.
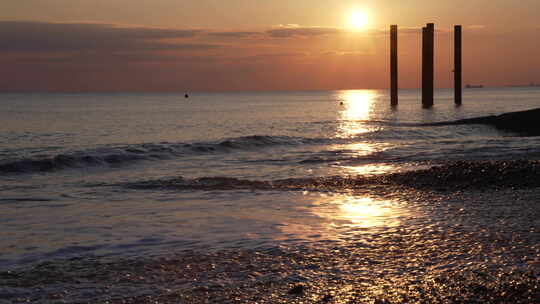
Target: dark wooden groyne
(523, 122)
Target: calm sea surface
(67, 160)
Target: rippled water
(65, 161)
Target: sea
(73, 167)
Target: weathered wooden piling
(393, 65)
(431, 61)
(428, 42)
(424, 65)
(457, 66)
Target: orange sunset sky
(217, 45)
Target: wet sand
(488, 251)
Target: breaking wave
(115, 156)
(458, 175)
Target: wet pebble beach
(476, 240)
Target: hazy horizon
(182, 92)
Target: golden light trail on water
(357, 107)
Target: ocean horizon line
(251, 91)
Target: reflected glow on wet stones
(361, 212)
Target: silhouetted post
(431, 62)
(424, 65)
(428, 42)
(457, 65)
(393, 65)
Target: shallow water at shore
(446, 247)
(435, 235)
(266, 197)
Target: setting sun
(358, 20)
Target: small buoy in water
(186, 96)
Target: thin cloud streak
(304, 31)
(22, 36)
(236, 34)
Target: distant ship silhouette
(474, 86)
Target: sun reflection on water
(361, 212)
(370, 169)
(344, 216)
(358, 105)
(355, 121)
